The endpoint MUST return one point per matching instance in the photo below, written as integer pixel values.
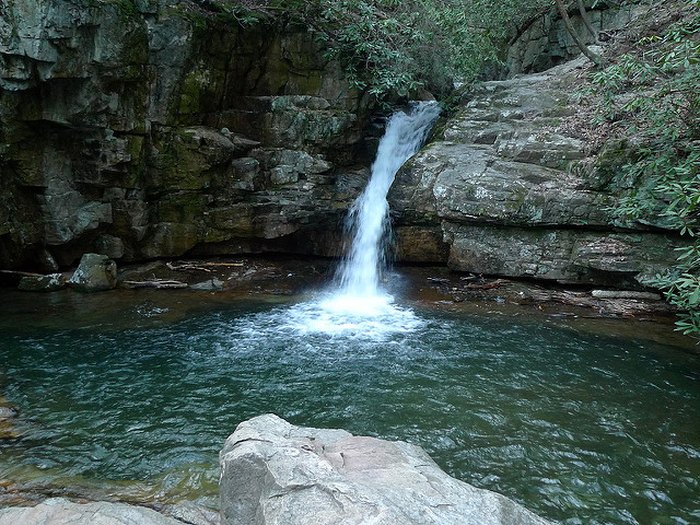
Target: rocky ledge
(273, 472)
(511, 187)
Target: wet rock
(43, 283)
(8, 414)
(95, 273)
(58, 511)
(275, 472)
(212, 285)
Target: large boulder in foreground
(273, 472)
(60, 511)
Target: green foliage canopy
(394, 47)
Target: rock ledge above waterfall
(274, 472)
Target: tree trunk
(563, 11)
(586, 20)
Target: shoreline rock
(58, 511)
(273, 472)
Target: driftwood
(157, 283)
(438, 280)
(483, 284)
(487, 285)
(201, 266)
(625, 294)
(612, 304)
(15, 273)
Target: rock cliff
(511, 187)
(144, 129)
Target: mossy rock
(181, 207)
(168, 239)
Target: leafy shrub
(392, 48)
(653, 96)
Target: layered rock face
(545, 42)
(144, 129)
(276, 473)
(506, 190)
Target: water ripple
(581, 428)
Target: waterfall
(358, 307)
(368, 219)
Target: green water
(579, 427)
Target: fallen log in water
(201, 266)
(158, 284)
(20, 274)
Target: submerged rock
(212, 285)
(95, 273)
(60, 511)
(276, 473)
(8, 414)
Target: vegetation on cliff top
(392, 47)
(650, 97)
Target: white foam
(373, 318)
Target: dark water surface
(135, 389)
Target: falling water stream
(369, 216)
(358, 303)
(132, 393)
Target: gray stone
(214, 146)
(60, 511)
(111, 246)
(276, 473)
(7, 412)
(546, 40)
(212, 285)
(42, 283)
(566, 256)
(94, 273)
(170, 239)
